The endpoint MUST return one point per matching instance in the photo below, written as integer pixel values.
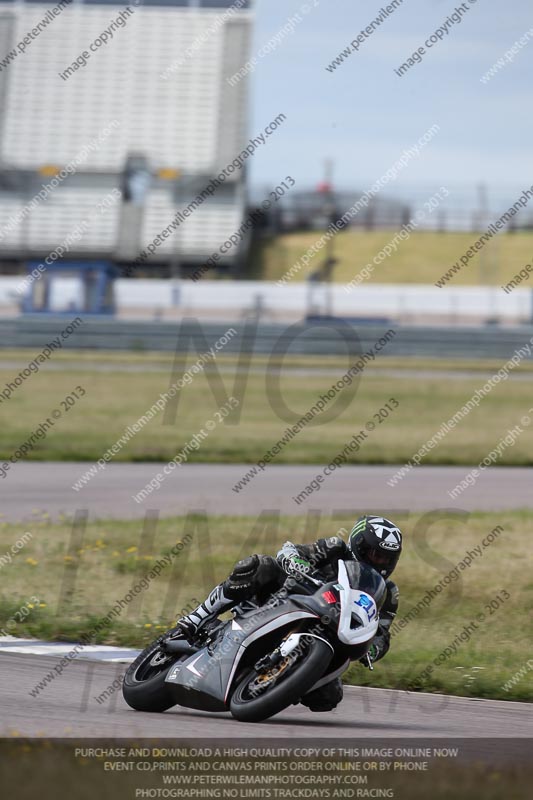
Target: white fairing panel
(360, 605)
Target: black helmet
(378, 542)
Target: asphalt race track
(41, 486)
(67, 708)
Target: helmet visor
(379, 557)
(384, 562)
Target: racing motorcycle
(267, 657)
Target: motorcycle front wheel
(260, 695)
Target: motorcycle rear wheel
(144, 687)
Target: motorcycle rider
(374, 540)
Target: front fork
(288, 646)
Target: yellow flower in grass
(148, 625)
(68, 558)
(131, 549)
(30, 605)
(32, 562)
(42, 605)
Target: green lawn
(116, 399)
(422, 258)
(77, 580)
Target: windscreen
(366, 579)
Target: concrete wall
(469, 303)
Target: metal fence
(325, 338)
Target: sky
(363, 115)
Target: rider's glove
(292, 562)
(296, 565)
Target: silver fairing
(204, 679)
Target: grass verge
(115, 399)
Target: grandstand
(155, 92)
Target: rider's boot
(189, 625)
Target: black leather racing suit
(256, 577)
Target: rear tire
(144, 691)
(289, 690)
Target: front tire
(303, 674)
